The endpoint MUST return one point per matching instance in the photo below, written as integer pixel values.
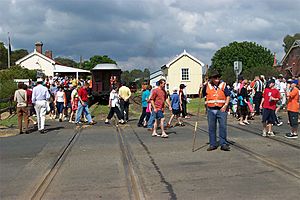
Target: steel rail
(269, 162)
(271, 138)
(42, 187)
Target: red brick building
(290, 64)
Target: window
(185, 76)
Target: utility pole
(8, 51)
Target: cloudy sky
(146, 33)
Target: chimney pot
(48, 54)
(38, 47)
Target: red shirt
(29, 96)
(159, 96)
(267, 94)
(83, 94)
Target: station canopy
(65, 69)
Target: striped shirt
(259, 86)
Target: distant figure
(183, 100)
(145, 98)
(158, 99)
(30, 108)
(217, 99)
(83, 105)
(258, 88)
(60, 102)
(21, 98)
(113, 104)
(293, 108)
(124, 94)
(40, 95)
(176, 108)
(270, 97)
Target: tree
(18, 54)
(135, 75)
(97, 59)
(256, 59)
(3, 56)
(66, 61)
(289, 40)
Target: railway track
(278, 139)
(134, 184)
(267, 161)
(41, 188)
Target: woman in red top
(270, 97)
(30, 107)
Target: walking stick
(196, 123)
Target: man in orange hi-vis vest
(217, 97)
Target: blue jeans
(213, 117)
(151, 120)
(84, 109)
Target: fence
(10, 107)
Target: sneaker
(121, 121)
(246, 122)
(155, 135)
(242, 123)
(264, 134)
(92, 123)
(164, 135)
(271, 134)
(291, 136)
(140, 125)
(280, 123)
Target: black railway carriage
(104, 76)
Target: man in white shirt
(40, 95)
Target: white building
(183, 69)
(45, 63)
(155, 77)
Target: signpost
(237, 67)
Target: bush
(7, 76)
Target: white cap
(39, 80)
(175, 89)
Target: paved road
(96, 168)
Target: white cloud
(146, 33)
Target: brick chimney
(38, 47)
(48, 54)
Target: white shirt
(60, 96)
(40, 93)
(282, 87)
(114, 97)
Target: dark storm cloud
(140, 33)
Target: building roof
(106, 66)
(184, 53)
(295, 44)
(62, 69)
(35, 53)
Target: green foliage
(97, 59)
(289, 40)
(66, 62)
(136, 75)
(17, 54)
(255, 58)
(3, 56)
(7, 76)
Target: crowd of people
(62, 97)
(67, 99)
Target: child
(176, 108)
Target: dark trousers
(143, 115)
(184, 111)
(114, 110)
(257, 100)
(124, 105)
